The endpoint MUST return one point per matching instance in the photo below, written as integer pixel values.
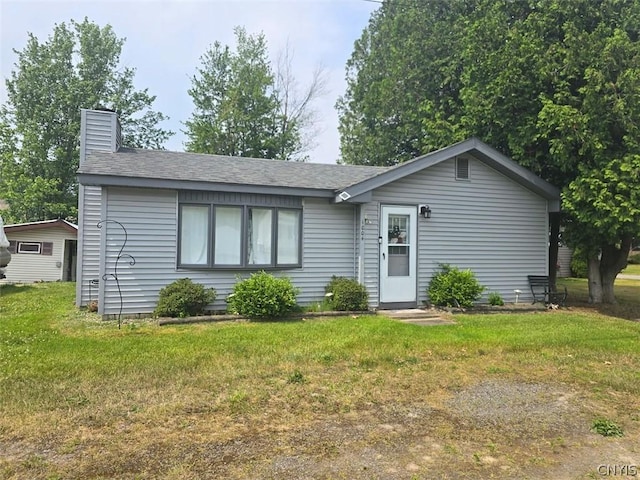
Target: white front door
(398, 254)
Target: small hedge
(346, 294)
(263, 296)
(634, 259)
(495, 299)
(579, 264)
(451, 287)
(183, 298)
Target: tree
(404, 69)
(243, 109)
(551, 83)
(77, 67)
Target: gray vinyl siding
(88, 243)
(371, 275)
(150, 218)
(488, 223)
(99, 132)
(329, 246)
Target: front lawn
(632, 270)
(364, 397)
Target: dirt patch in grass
(492, 429)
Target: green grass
(73, 383)
(632, 270)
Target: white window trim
(27, 252)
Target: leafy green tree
(243, 108)
(404, 69)
(551, 83)
(76, 67)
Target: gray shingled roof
(165, 165)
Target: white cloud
(166, 39)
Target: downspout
(356, 256)
(361, 245)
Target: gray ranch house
(215, 218)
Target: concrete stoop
(417, 316)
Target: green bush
(183, 298)
(346, 294)
(495, 299)
(634, 259)
(579, 264)
(452, 287)
(263, 296)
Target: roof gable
(21, 227)
(473, 146)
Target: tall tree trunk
(604, 268)
(595, 280)
(554, 236)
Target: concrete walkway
(625, 276)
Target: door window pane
(194, 235)
(228, 236)
(259, 236)
(288, 237)
(398, 229)
(398, 248)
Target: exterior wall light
(425, 211)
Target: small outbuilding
(43, 251)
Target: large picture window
(234, 236)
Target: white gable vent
(462, 168)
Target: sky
(165, 40)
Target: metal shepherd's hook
(114, 275)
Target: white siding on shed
(564, 261)
(488, 223)
(28, 268)
(150, 218)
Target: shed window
(462, 168)
(239, 236)
(31, 248)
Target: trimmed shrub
(183, 298)
(346, 294)
(452, 287)
(579, 267)
(263, 296)
(495, 299)
(634, 259)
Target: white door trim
(398, 253)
